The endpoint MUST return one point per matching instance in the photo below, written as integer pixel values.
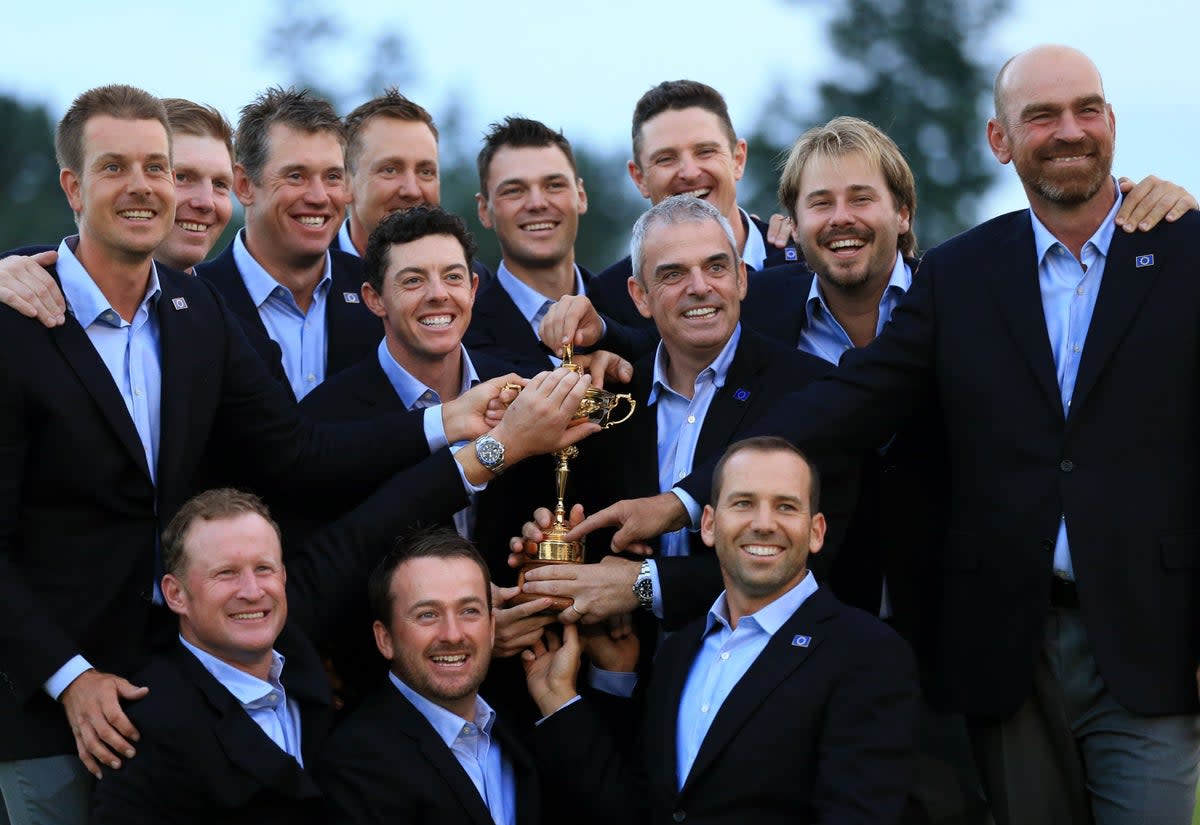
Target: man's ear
(383, 640)
(373, 300)
(73, 189)
(173, 594)
(998, 141)
(243, 187)
(639, 179)
(707, 533)
(640, 299)
(481, 210)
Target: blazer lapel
(183, 369)
(78, 351)
(525, 774)
(777, 661)
(731, 401)
(1013, 277)
(223, 273)
(410, 721)
(1122, 292)
(662, 717)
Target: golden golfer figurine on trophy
(597, 406)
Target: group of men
(959, 455)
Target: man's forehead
(427, 252)
(106, 133)
(1051, 74)
(286, 142)
(677, 127)
(380, 131)
(438, 579)
(529, 163)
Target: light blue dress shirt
(300, 335)
(473, 746)
(754, 253)
(531, 303)
(1069, 288)
(725, 655)
(416, 396)
(131, 352)
(266, 702)
(825, 338)
(344, 241)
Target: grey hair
(675, 209)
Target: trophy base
(550, 551)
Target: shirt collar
(755, 251)
(528, 299)
(899, 282)
(448, 725)
(248, 690)
(1044, 240)
(83, 296)
(719, 368)
(344, 241)
(408, 388)
(260, 283)
(770, 617)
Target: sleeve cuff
(656, 600)
(65, 675)
(435, 430)
(565, 704)
(689, 504)
(472, 489)
(612, 682)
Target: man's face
(124, 195)
(1057, 128)
(441, 633)
(533, 201)
(230, 595)
(293, 215)
(691, 285)
(426, 297)
(397, 170)
(687, 151)
(203, 200)
(847, 222)
(762, 527)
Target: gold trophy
(597, 406)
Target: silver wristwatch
(490, 453)
(643, 587)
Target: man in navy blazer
(279, 274)
(1068, 629)
(531, 194)
(782, 705)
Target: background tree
(920, 70)
(35, 210)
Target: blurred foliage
(917, 69)
(35, 210)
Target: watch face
(490, 451)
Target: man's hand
(638, 520)
(543, 418)
(779, 231)
(1150, 201)
(517, 627)
(93, 706)
(599, 591)
(572, 319)
(27, 287)
(524, 547)
(551, 668)
(604, 367)
(477, 410)
(612, 645)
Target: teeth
(450, 660)
(848, 243)
(314, 220)
(255, 615)
(192, 227)
(534, 227)
(436, 321)
(138, 214)
(761, 550)
(697, 193)
(700, 312)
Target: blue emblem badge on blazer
(350, 297)
(789, 254)
(179, 303)
(801, 641)
(1143, 260)
(741, 394)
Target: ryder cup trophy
(598, 406)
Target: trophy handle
(617, 399)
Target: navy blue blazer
(499, 329)
(79, 513)
(970, 340)
(628, 333)
(351, 330)
(821, 728)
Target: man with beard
(1064, 360)
(426, 748)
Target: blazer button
(1066, 465)
(679, 816)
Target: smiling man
(531, 194)
(279, 274)
(780, 705)
(433, 622)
